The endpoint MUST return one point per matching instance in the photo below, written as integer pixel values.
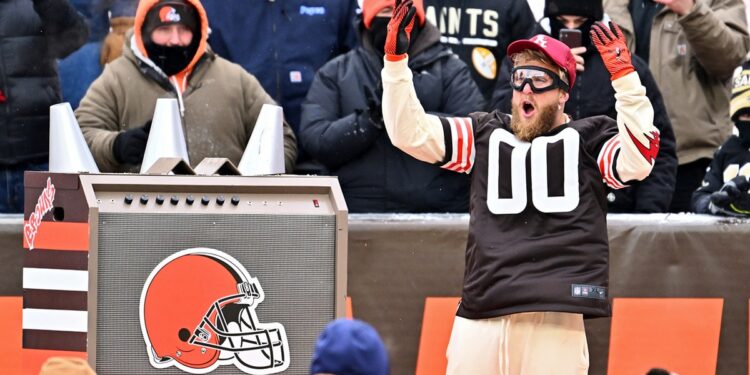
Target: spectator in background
(692, 48)
(589, 97)
(168, 57)
(349, 347)
(34, 34)
(479, 32)
(121, 19)
(106, 18)
(283, 43)
(342, 123)
(725, 186)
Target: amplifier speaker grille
(292, 256)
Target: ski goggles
(538, 78)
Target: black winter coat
(479, 32)
(731, 160)
(33, 34)
(593, 95)
(374, 175)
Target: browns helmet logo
(197, 313)
(169, 15)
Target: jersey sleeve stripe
(457, 140)
(462, 144)
(448, 141)
(610, 162)
(470, 149)
(606, 161)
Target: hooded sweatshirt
(219, 101)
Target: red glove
(399, 31)
(611, 45)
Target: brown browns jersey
(538, 232)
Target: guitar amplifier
(166, 274)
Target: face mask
(556, 26)
(744, 128)
(171, 60)
(379, 32)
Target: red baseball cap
(556, 50)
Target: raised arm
(631, 154)
(409, 127)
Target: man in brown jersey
(537, 251)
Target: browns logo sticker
(197, 313)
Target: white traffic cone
(166, 138)
(264, 153)
(68, 151)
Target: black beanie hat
(170, 12)
(592, 9)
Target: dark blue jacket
(282, 42)
(33, 34)
(374, 175)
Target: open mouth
(527, 109)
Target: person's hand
(578, 55)
(733, 198)
(614, 50)
(374, 111)
(130, 145)
(679, 7)
(399, 30)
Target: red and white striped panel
(606, 161)
(462, 141)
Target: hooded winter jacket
(479, 32)
(593, 95)
(33, 34)
(374, 175)
(692, 59)
(220, 100)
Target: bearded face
(531, 119)
(537, 99)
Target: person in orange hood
(166, 55)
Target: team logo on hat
(540, 40)
(169, 14)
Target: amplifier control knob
(174, 200)
(129, 199)
(205, 200)
(159, 199)
(144, 199)
(220, 200)
(189, 200)
(235, 200)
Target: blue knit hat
(350, 347)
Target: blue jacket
(282, 42)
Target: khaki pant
(544, 343)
